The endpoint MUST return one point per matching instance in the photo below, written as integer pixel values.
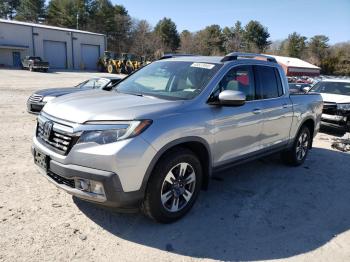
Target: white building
(296, 67)
(63, 48)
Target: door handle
(285, 105)
(257, 111)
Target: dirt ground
(262, 210)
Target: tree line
(126, 34)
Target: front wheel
(173, 186)
(111, 69)
(296, 155)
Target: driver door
(237, 129)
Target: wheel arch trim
(178, 142)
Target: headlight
(102, 132)
(344, 107)
(48, 98)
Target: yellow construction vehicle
(124, 63)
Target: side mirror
(306, 89)
(232, 98)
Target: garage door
(55, 53)
(89, 56)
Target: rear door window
(268, 86)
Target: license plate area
(41, 160)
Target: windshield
(36, 59)
(171, 80)
(339, 88)
(94, 83)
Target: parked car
(336, 108)
(297, 88)
(155, 141)
(34, 63)
(37, 100)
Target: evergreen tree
(167, 33)
(8, 8)
(31, 11)
(295, 45)
(256, 37)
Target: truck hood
(334, 98)
(95, 105)
(60, 91)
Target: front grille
(34, 98)
(61, 180)
(59, 141)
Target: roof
(11, 46)
(47, 27)
(110, 77)
(199, 59)
(336, 80)
(211, 59)
(293, 62)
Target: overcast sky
(307, 17)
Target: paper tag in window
(203, 65)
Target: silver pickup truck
(155, 142)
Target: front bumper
(340, 122)
(40, 67)
(64, 177)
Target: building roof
(336, 80)
(294, 62)
(47, 27)
(10, 46)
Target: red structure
(297, 67)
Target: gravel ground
(257, 211)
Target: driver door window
(238, 79)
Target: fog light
(97, 188)
(91, 186)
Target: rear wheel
(296, 155)
(129, 70)
(173, 186)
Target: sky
(281, 17)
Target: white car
(336, 107)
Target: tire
(111, 69)
(123, 70)
(297, 154)
(179, 192)
(129, 70)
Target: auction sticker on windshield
(203, 65)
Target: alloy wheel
(302, 146)
(178, 187)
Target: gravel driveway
(262, 210)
